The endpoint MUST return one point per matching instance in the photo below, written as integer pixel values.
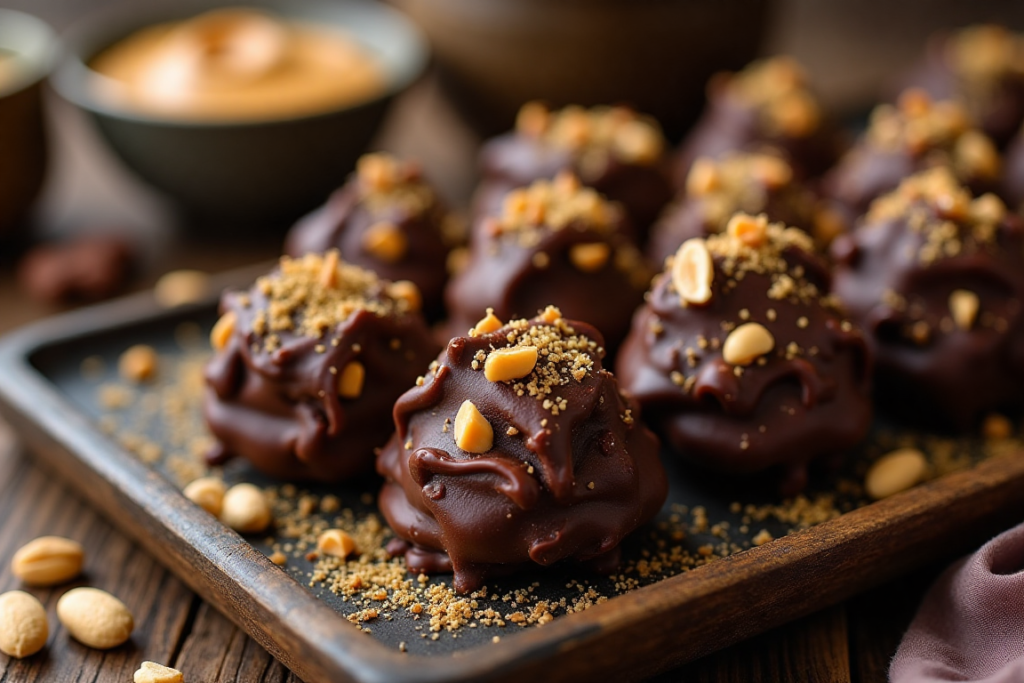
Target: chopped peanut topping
(591, 257)
(777, 87)
(350, 382)
(489, 323)
(222, 331)
(507, 364)
(329, 269)
(750, 230)
(553, 204)
(551, 315)
(703, 177)
(385, 241)
(693, 272)
(746, 343)
(963, 305)
(592, 132)
(473, 433)
(407, 291)
(335, 543)
(384, 181)
(985, 53)
(139, 363)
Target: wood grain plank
(34, 503)
(811, 650)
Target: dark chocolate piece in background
(309, 363)
(618, 152)
(766, 107)
(554, 242)
(82, 269)
(568, 472)
(915, 134)
(936, 280)
(754, 370)
(736, 182)
(388, 219)
(981, 66)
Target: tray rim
(317, 643)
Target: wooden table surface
(851, 642)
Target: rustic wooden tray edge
(647, 630)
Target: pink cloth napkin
(970, 626)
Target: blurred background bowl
(237, 177)
(657, 55)
(28, 47)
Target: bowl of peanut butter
(246, 116)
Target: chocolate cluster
(901, 140)
(553, 242)
(517, 449)
(612, 149)
(308, 364)
(387, 219)
(743, 360)
(935, 278)
(983, 67)
(768, 106)
(747, 182)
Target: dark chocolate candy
(86, 268)
(981, 66)
(555, 242)
(308, 367)
(387, 219)
(901, 140)
(766, 107)
(612, 149)
(718, 188)
(496, 466)
(936, 280)
(741, 358)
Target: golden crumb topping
(750, 244)
(778, 88)
(311, 294)
(616, 131)
(553, 205)
(917, 124)
(563, 356)
(936, 206)
(739, 181)
(385, 181)
(986, 53)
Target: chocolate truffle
(554, 242)
(742, 358)
(386, 219)
(902, 140)
(308, 364)
(716, 189)
(518, 449)
(983, 67)
(767, 106)
(612, 149)
(936, 280)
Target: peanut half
(693, 272)
(350, 382)
(510, 363)
(746, 343)
(895, 472)
(473, 433)
(750, 230)
(222, 331)
(23, 626)
(246, 509)
(95, 618)
(207, 493)
(139, 363)
(151, 672)
(489, 323)
(589, 257)
(336, 543)
(48, 561)
(385, 241)
(963, 305)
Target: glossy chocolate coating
(281, 409)
(342, 223)
(929, 367)
(873, 167)
(801, 404)
(518, 278)
(697, 213)
(733, 122)
(519, 158)
(562, 486)
(994, 97)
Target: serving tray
(674, 616)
